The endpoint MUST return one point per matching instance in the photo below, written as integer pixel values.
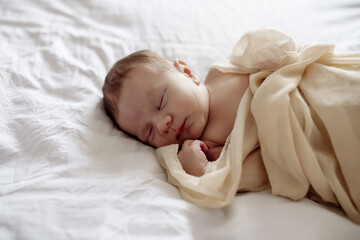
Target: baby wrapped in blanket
(300, 115)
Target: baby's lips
(180, 131)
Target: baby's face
(162, 108)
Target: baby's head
(158, 101)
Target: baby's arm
(192, 157)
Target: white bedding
(67, 173)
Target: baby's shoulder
(216, 77)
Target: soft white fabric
(67, 173)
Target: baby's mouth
(180, 131)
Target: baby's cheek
(184, 97)
(187, 106)
(183, 101)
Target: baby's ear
(182, 67)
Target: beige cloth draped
(303, 108)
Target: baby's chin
(191, 136)
(197, 134)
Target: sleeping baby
(273, 114)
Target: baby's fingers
(187, 143)
(200, 145)
(204, 148)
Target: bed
(67, 173)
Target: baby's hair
(114, 79)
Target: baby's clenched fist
(192, 157)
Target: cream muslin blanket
(301, 110)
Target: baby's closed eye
(161, 102)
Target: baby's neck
(225, 92)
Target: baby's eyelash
(150, 132)
(161, 102)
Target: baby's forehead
(137, 79)
(146, 77)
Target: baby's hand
(192, 157)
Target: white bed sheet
(67, 173)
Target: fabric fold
(303, 108)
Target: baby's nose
(164, 124)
